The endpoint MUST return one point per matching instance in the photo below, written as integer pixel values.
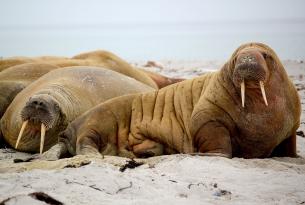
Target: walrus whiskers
(24, 124)
(242, 90)
(261, 83)
(43, 133)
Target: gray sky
(155, 29)
(76, 12)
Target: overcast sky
(76, 12)
(155, 29)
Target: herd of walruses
(98, 104)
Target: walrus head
(41, 112)
(251, 66)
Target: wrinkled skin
(49, 104)
(16, 78)
(204, 115)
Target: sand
(174, 179)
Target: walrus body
(247, 109)
(160, 80)
(50, 103)
(97, 58)
(16, 78)
(14, 61)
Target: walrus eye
(265, 56)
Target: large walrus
(249, 109)
(98, 58)
(16, 78)
(26, 70)
(38, 113)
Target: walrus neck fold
(66, 99)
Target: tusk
(23, 126)
(261, 83)
(42, 134)
(242, 90)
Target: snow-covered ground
(174, 179)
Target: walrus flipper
(148, 148)
(54, 153)
(87, 145)
(214, 138)
(287, 148)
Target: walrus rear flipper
(161, 80)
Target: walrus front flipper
(87, 145)
(91, 145)
(287, 148)
(55, 152)
(214, 138)
(148, 148)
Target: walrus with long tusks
(249, 109)
(16, 78)
(44, 108)
(97, 58)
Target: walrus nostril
(36, 103)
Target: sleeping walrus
(16, 78)
(44, 108)
(249, 109)
(97, 58)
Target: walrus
(38, 113)
(249, 108)
(18, 60)
(161, 80)
(99, 58)
(16, 78)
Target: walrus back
(170, 110)
(113, 62)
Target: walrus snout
(251, 67)
(39, 110)
(250, 71)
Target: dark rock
(131, 164)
